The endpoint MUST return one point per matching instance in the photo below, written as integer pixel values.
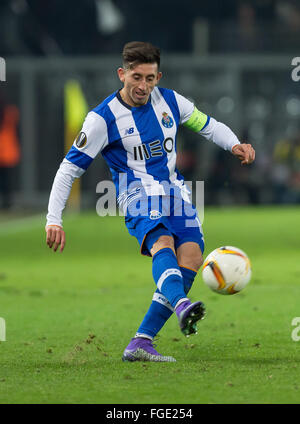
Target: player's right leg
(167, 298)
(141, 346)
(155, 236)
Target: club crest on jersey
(81, 140)
(155, 214)
(167, 121)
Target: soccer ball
(226, 270)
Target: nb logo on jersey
(153, 149)
(129, 131)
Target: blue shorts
(169, 215)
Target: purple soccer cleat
(188, 314)
(141, 349)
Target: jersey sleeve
(197, 121)
(90, 141)
(220, 134)
(60, 191)
(207, 126)
(185, 106)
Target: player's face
(138, 83)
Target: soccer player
(135, 130)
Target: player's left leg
(190, 259)
(189, 255)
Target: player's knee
(193, 261)
(163, 242)
(199, 261)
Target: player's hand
(244, 152)
(55, 237)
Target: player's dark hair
(137, 52)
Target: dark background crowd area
(89, 27)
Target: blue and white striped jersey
(137, 141)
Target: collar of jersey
(133, 107)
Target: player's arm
(59, 195)
(221, 135)
(213, 130)
(92, 139)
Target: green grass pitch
(69, 316)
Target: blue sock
(188, 276)
(167, 275)
(158, 314)
(160, 309)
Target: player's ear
(121, 74)
(159, 75)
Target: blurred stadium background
(233, 58)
